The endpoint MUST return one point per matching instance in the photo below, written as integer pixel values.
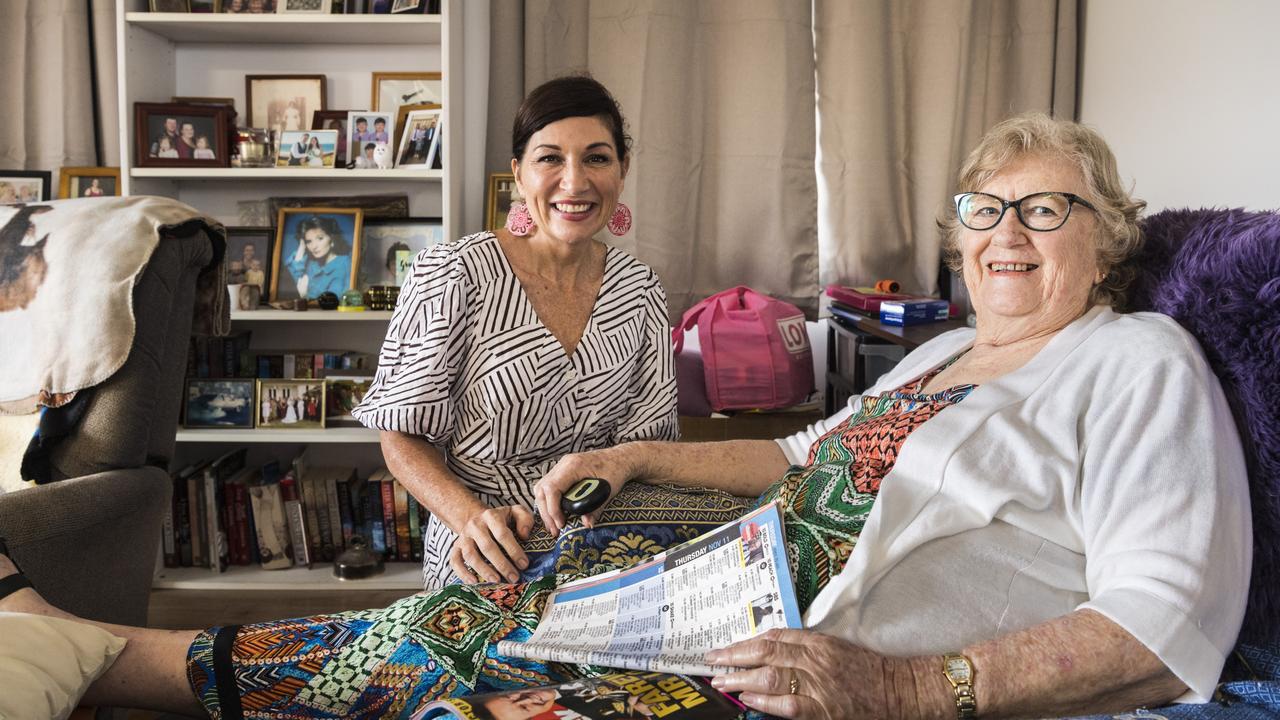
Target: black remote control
(586, 495)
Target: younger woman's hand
(488, 545)
(610, 465)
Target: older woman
(1044, 516)
(1054, 502)
(509, 349)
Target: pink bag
(755, 350)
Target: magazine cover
(617, 696)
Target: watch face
(958, 669)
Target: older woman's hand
(488, 546)
(805, 674)
(611, 465)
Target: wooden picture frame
(103, 181)
(326, 120)
(384, 243)
(402, 114)
(25, 186)
(284, 411)
(156, 125)
(393, 89)
(293, 262)
(283, 102)
(219, 403)
(502, 192)
(248, 256)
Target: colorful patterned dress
(387, 663)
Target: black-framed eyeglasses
(1042, 211)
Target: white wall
(1187, 92)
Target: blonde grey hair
(1118, 238)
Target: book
(215, 476)
(274, 551)
(615, 696)
(415, 528)
(371, 498)
(389, 514)
(401, 500)
(665, 614)
(239, 529)
(308, 495)
(294, 515)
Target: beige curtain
(905, 89)
(718, 95)
(47, 109)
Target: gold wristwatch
(959, 672)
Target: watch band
(958, 670)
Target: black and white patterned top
(468, 365)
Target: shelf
(314, 315)
(291, 29)
(285, 174)
(397, 576)
(274, 435)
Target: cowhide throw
(67, 271)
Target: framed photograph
(307, 148)
(317, 250)
(387, 247)
(76, 182)
(290, 404)
(419, 140)
(26, 186)
(304, 7)
(402, 115)
(174, 135)
(365, 130)
(334, 120)
(248, 256)
(502, 192)
(343, 392)
(283, 102)
(393, 89)
(226, 403)
(408, 6)
(255, 7)
(173, 6)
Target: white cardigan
(1106, 474)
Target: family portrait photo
(249, 256)
(291, 404)
(218, 404)
(283, 103)
(388, 246)
(78, 182)
(317, 250)
(420, 139)
(366, 129)
(342, 393)
(24, 186)
(178, 135)
(307, 148)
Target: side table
(847, 367)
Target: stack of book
(849, 304)
(210, 356)
(225, 513)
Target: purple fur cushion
(1217, 272)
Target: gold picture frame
(70, 185)
(404, 88)
(342, 225)
(502, 192)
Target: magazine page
(664, 615)
(616, 696)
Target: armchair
(88, 542)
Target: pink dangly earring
(519, 221)
(620, 223)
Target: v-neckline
(591, 318)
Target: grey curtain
(905, 89)
(52, 51)
(718, 95)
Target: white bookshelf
(161, 55)
(397, 576)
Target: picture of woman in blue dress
(318, 254)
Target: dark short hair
(380, 120)
(566, 97)
(330, 228)
(362, 120)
